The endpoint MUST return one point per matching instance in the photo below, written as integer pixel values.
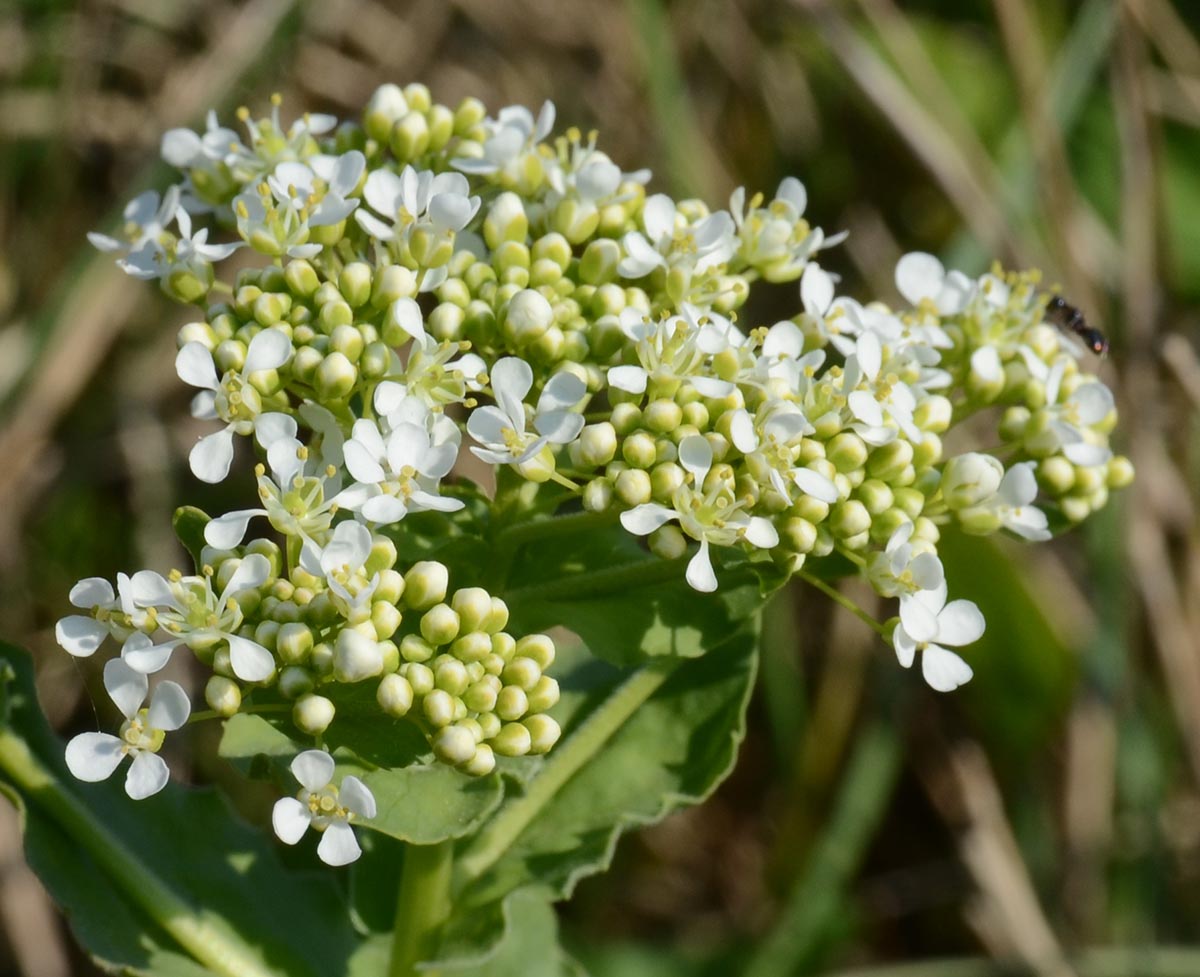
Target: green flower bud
(473, 605)
(506, 220)
(512, 703)
(391, 655)
(667, 543)
(265, 633)
(335, 377)
(293, 643)
(597, 495)
(481, 697)
(451, 676)
(847, 451)
(544, 694)
(849, 518)
(482, 763)
(441, 127)
(889, 459)
(356, 657)
(295, 681)
(522, 672)
(497, 618)
(348, 341)
(537, 647)
(425, 584)
(970, 479)
(663, 416)
(439, 625)
(527, 317)
(386, 105)
(1075, 508)
(312, 714)
(979, 521)
(320, 659)
(391, 584)
(385, 618)
(409, 137)
(875, 495)
(543, 731)
(355, 283)
(395, 695)
(1089, 480)
(419, 676)
(639, 450)
(438, 706)
(223, 695)
(512, 740)
(306, 362)
(633, 487)
(454, 744)
(598, 265)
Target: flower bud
(438, 706)
(849, 518)
(481, 697)
(597, 495)
(482, 763)
(527, 317)
(355, 283)
(395, 695)
(387, 104)
(293, 642)
(335, 377)
(385, 618)
(454, 744)
(320, 659)
(497, 618)
(439, 625)
(979, 521)
(598, 265)
(451, 676)
(312, 714)
(295, 681)
(798, 535)
(506, 220)
(409, 137)
(544, 694)
(419, 676)
(889, 459)
(544, 732)
(639, 450)
(473, 605)
(512, 703)
(474, 646)
(633, 487)
(512, 740)
(425, 584)
(667, 543)
(597, 445)
(970, 479)
(356, 657)
(875, 495)
(223, 695)
(522, 672)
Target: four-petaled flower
(928, 624)
(94, 756)
(501, 429)
(325, 808)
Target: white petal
(382, 192)
(211, 456)
(816, 290)
(1093, 402)
(563, 391)
(383, 510)
(194, 364)
(169, 707)
(761, 532)
(927, 571)
(511, 379)
(142, 655)
(866, 408)
(269, 350)
(338, 846)
(985, 363)
(815, 484)
(79, 635)
(711, 386)
(252, 572)
(944, 671)
(274, 426)
(91, 592)
(1019, 485)
(906, 648)
(290, 819)
(251, 661)
(126, 687)
(227, 531)
(180, 146)
(741, 431)
(1086, 455)
(150, 589)
(643, 519)
(658, 216)
(362, 465)
(869, 353)
(357, 797)
(960, 623)
(918, 276)
(313, 768)
(631, 379)
(488, 424)
(918, 620)
(559, 426)
(695, 454)
(700, 575)
(792, 192)
(148, 774)
(783, 339)
(94, 756)
(349, 548)
(407, 445)
(407, 315)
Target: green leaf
(172, 886)
(189, 523)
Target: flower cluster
(429, 258)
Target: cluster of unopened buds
(426, 259)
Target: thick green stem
(209, 940)
(423, 905)
(562, 764)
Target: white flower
(887, 406)
(399, 472)
(319, 188)
(673, 349)
(441, 202)
(342, 563)
(94, 756)
(920, 276)
(232, 399)
(669, 239)
(711, 517)
(145, 218)
(513, 133)
(1071, 421)
(770, 441)
(903, 570)
(1013, 504)
(272, 228)
(776, 239)
(81, 634)
(501, 429)
(927, 624)
(189, 253)
(323, 807)
(191, 612)
(434, 372)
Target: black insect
(1070, 319)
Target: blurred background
(1044, 820)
